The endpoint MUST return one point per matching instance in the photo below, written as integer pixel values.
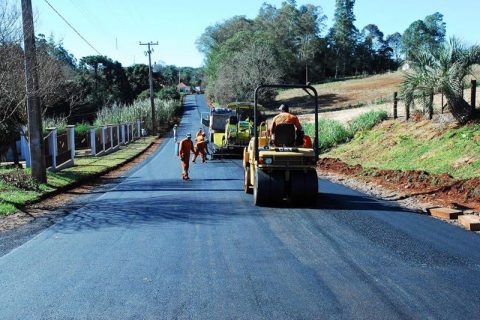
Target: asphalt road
(157, 247)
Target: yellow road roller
(277, 166)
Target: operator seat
(283, 135)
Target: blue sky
(115, 27)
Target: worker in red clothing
(286, 117)
(200, 148)
(185, 147)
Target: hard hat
(283, 107)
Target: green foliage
(443, 70)
(82, 128)
(366, 121)
(424, 35)
(168, 93)
(274, 47)
(343, 34)
(406, 146)
(332, 133)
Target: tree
(137, 76)
(394, 41)
(241, 72)
(105, 81)
(443, 70)
(343, 35)
(427, 34)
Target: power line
(72, 27)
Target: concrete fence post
(71, 141)
(104, 129)
(139, 129)
(128, 132)
(123, 133)
(25, 147)
(93, 144)
(110, 132)
(53, 146)
(118, 134)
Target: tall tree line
(285, 44)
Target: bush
(82, 128)
(19, 179)
(366, 121)
(168, 93)
(332, 133)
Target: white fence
(60, 149)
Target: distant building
(182, 87)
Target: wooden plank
(470, 222)
(445, 213)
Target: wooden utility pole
(39, 171)
(150, 80)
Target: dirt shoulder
(415, 190)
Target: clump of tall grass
(367, 121)
(165, 111)
(332, 133)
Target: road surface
(157, 247)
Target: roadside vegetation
(333, 133)
(424, 146)
(18, 189)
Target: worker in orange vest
(200, 148)
(286, 117)
(199, 133)
(185, 147)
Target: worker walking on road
(185, 147)
(199, 133)
(200, 148)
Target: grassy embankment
(332, 133)
(17, 189)
(395, 145)
(421, 145)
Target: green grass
(332, 133)
(416, 146)
(13, 196)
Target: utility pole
(39, 172)
(150, 79)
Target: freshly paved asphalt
(157, 247)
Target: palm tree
(441, 71)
